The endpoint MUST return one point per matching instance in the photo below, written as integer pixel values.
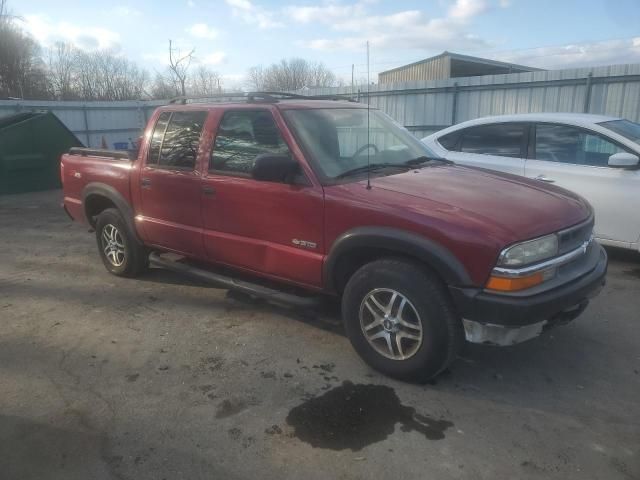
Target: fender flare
(121, 203)
(402, 242)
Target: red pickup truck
(294, 199)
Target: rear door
(498, 146)
(170, 183)
(577, 159)
(266, 227)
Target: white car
(593, 155)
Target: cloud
(202, 30)
(124, 11)
(85, 37)
(410, 29)
(253, 14)
(215, 58)
(463, 9)
(327, 13)
(609, 52)
(191, 3)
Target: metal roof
(470, 59)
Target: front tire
(119, 250)
(400, 320)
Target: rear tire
(400, 320)
(119, 250)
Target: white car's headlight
(529, 252)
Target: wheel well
(350, 262)
(94, 205)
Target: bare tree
(111, 77)
(255, 78)
(163, 87)
(62, 58)
(179, 66)
(21, 69)
(204, 82)
(288, 75)
(96, 75)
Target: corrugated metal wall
(433, 69)
(427, 106)
(91, 121)
(422, 106)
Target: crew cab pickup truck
(295, 199)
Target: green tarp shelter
(30, 147)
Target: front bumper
(501, 319)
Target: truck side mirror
(623, 160)
(272, 167)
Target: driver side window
(242, 136)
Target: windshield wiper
(370, 168)
(414, 162)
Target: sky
(231, 36)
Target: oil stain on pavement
(355, 416)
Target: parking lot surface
(161, 377)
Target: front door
(267, 227)
(171, 186)
(577, 160)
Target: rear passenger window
(450, 140)
(504, 140)
(179, 148)
(156, 138)
(242, 136)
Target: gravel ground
(163, 378)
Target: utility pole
(352, 77)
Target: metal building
(450, 65)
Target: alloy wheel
(391, 324)
(113, 245)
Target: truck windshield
(626, 128)
(338, 143)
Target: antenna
(368, 127)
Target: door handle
(542, 178)
(145, 182)
(207, 190)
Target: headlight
(516, 268)
(529, 252)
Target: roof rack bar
(255, 97)
(345, 97)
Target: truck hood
(524, 208)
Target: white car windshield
(339, 143)
(626, 128)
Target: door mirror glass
(269, 167)
(623, 159)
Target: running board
(223, 281)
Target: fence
(422, 106)
(427, 106)
(115, 122)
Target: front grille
(575, 236)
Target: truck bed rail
(97, 152)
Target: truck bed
(82, 167)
